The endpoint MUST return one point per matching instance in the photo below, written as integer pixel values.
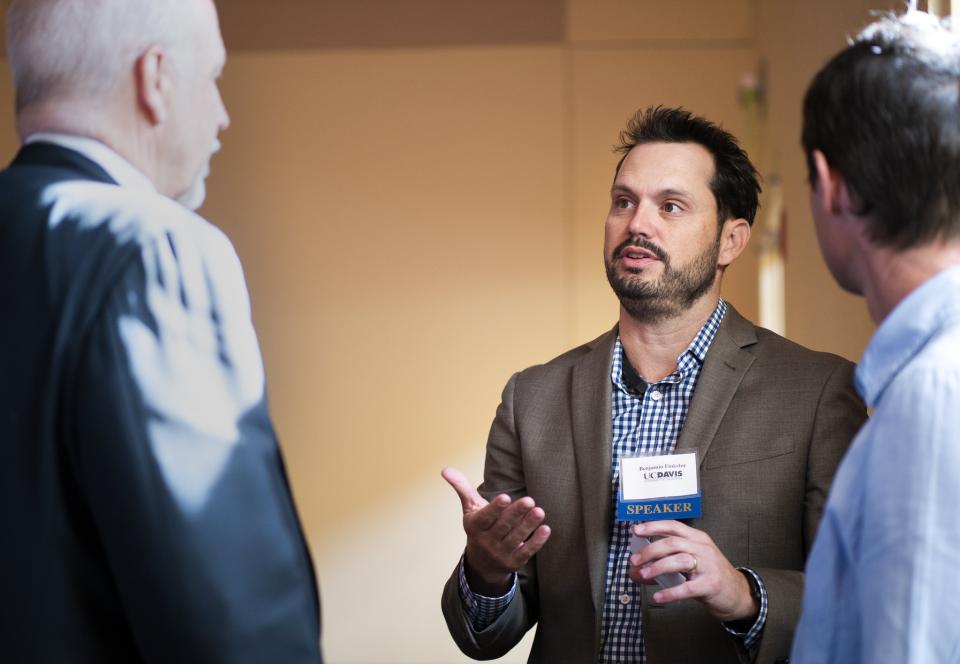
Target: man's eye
(622, 203)
(672, 208)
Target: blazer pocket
(733, 451)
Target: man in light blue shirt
(882, 138)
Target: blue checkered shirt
(642, 424)
(649, 424)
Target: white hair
(85, 48)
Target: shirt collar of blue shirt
(691, 358)
(905, 331)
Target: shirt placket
(657, 418)
(653, 435)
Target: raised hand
(502, 535)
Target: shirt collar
(628, 379)
(116, 166)
(905, 331)
(701, 343)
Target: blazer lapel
(590, 415)
(724, 367)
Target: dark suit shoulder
(47, 162)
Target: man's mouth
(633, 257)
(637, 254)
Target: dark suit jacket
(770, 421)
(145, 510)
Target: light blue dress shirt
(883, 580)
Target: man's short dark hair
(886, 114)
(735, 184)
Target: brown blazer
(770, 421)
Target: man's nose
(224, 115)
(644, 221)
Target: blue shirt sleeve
(483, 611)
(752, 635)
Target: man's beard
(675, 290)
(192, 198)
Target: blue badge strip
(684, 507)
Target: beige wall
(418, 221)
(796, 39)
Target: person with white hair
(145, 507)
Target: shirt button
(656, 395)
(624, 598)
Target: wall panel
(399, 218)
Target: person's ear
(830, 188)
(734, 236)
(153, 84)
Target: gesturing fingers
(505, 523)
(518, 523)
(520, 555)
(470, 499)
(515, 534)
(502, 534)
(488, 516)
(511, 517)
(525, 537)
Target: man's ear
(153, 84)
(734, 236)
(831, 189)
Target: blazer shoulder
(772, 349)
(773, 345)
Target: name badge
(659, 487)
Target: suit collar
(117, 166)
(725, 365)
(55, 156)
(919, 318)
(741, 331)
(590, 399)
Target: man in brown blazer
(681, 372)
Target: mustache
(642, 243)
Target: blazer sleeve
(840, 414)
(176, 460)
(503, 473)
